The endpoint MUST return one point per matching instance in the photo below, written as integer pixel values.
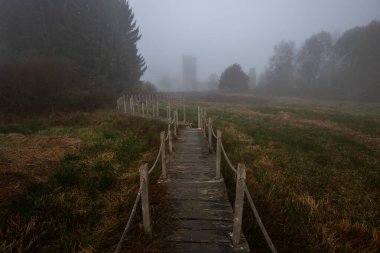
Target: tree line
(66, 54)
(345, 67)
(327, 66)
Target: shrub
(44, 86)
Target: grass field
(313, 169)
(68, 183)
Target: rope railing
(126, 229)
(156, 161)
(258, 219)
(143, 194)
(227, 158)
(241, 187)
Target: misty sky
(222, 32)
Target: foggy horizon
(220, 33)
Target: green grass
(86, 198)
(316, 187)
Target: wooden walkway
(200, 202)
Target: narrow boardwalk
(201, 204)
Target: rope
(227, 159)
(258, 219)
(120, 244)
(157, 158)
(213, 133)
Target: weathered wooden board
(200, 202)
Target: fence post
(144, 182)
(124, 104)
(163, 157)
(199, 118)
(175, 123)
(204, 121)
(143, 109)
(184, 113)
(218, 152)
(147, 107)
(210, 134)
(153, 110)
(176, 117)
(169, 113)
(239, 204)
(158, 110)
(170, 141)
(133, 108)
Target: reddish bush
(43, 86)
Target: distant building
(189, 72)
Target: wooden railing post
(204, 121)
(163, 156)
(239, 204)
(199, 117)
(175, 124)
(184, 113)
(218, 153)
(144, 182)
(170, 141)
(169, 114)
(124, 104)
(176, 117)
(210, 134)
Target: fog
(222, 32)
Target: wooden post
(158, 110)
(163, 156)
(218, 153)
(169, 113)
(184, 113)
(124, 104)
(199, 117)
(204, 122)
(239, 204)
(209, 134)
(144, 182)
(170, 141)
(175, 123)
(153, 111)
(143, 109)
(147, 107)
(176, 119)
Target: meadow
(313, 169)
(68, 182)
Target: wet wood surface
(202, 210)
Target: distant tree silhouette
(92, 41)
(347, 68)
(97, 36)
(279, 75)
(233, 79)
(357, 54)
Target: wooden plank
(200, 203)
(186, 247)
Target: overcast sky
(222, 32)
